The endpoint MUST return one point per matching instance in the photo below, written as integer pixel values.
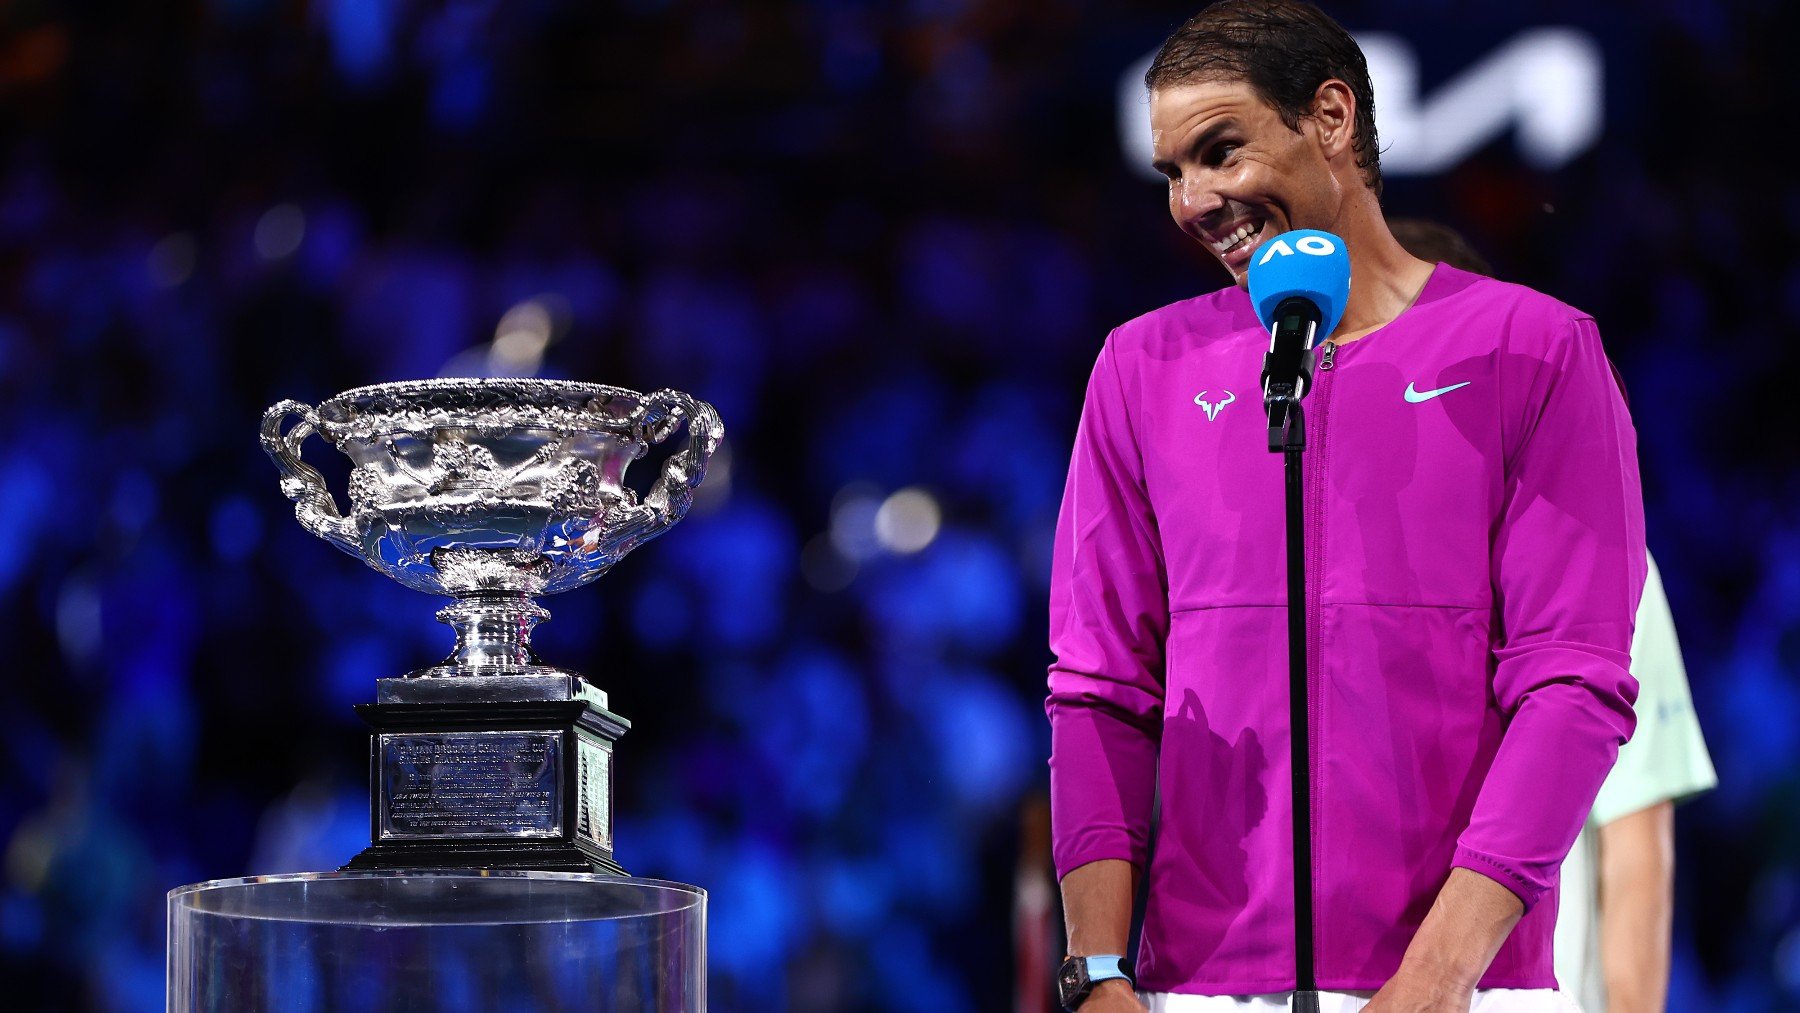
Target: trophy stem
(493, 633)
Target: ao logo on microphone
(1318, 246)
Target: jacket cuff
(1501, 871)
(1096, 845)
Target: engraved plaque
(594, 821)
(439, 785)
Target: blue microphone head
(1307, 263)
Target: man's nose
(1190, 200)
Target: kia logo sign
(1545, 84)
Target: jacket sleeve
(1109, 617)
(1568, 569)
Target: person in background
(1618, 883)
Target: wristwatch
(1079, 975)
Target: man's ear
(1333, 117)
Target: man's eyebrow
(1200, 143)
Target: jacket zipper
(1320, 439)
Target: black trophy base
(490, 772)
(482, 855)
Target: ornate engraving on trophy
(594, 820)
(454, 784)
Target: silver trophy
(494, 493)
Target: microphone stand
(1287, 436)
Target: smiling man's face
(1238, 175)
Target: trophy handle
(300, 481)
(664, 411)
(669, 499)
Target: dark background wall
(886, 240)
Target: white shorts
(1487, 1000)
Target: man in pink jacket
(1476, 553)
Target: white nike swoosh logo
(1414, 396)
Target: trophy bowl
(492, 492)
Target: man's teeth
(1244, 232)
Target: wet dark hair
(1284, 49)
(1434, 241)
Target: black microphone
(1288, 364)
(1299, 283)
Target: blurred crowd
(885, 240)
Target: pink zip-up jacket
(1475, 544)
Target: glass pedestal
(437, 941)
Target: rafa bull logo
(1212, 408)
